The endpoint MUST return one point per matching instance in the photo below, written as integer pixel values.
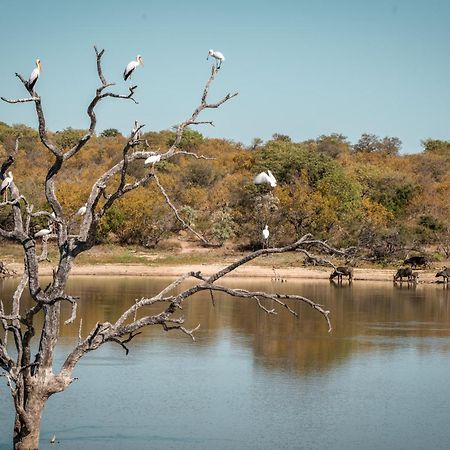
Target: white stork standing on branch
(218, 56)
(135, 132)
(131, 66)
(34, 75)
(5, 184)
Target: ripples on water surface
(379, 381)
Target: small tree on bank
(34, 378)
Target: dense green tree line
(366, 195)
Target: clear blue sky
(302, 68)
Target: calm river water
(380, 380)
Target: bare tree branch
(177, 214)
(21, 100)
(179, 327)
(203, 105)
(99, 95)
(309, 255)
(73, 301)
(99, 65)
(183, 152)
(268, 311)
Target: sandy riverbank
(248, 271)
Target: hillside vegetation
(365, 195)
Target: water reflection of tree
(361, 316)
(364, 318)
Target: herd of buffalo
(403, 273)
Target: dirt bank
(248, 271)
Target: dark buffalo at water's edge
(342, 271)
(444, 273)
(403, 272)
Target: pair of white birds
(129, 69)
(47, 231)
(131, 66)
(265, 178)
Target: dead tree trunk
(27, 423)
(31, 378)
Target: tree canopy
(325, 186)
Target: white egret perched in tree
(51, 219)
(131, 66)
(218, 56)
(265, 178)
(42, 233)
(152, 159)
(135, 132)
(82, 210)
(266, 232)
(6, 183)
(34, 75)
(265, 235)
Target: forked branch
(192, 120)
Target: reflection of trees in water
(364, 316)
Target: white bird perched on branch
(265, 178)
(218, 56)
(42, 233)
(135, 132)
(34, 75)
(131, 66)
(82, 210)
(266, 232)
(6, 183)
(152, 159)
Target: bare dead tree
(33, 378)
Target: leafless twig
(177, 214)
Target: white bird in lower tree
(82, 210)
(152, 159)
(42, 233)
(34, 75)
(131, 66)
(218, 56)
(266, 233)
(135, 132)
(6, 183)
(265, 178)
